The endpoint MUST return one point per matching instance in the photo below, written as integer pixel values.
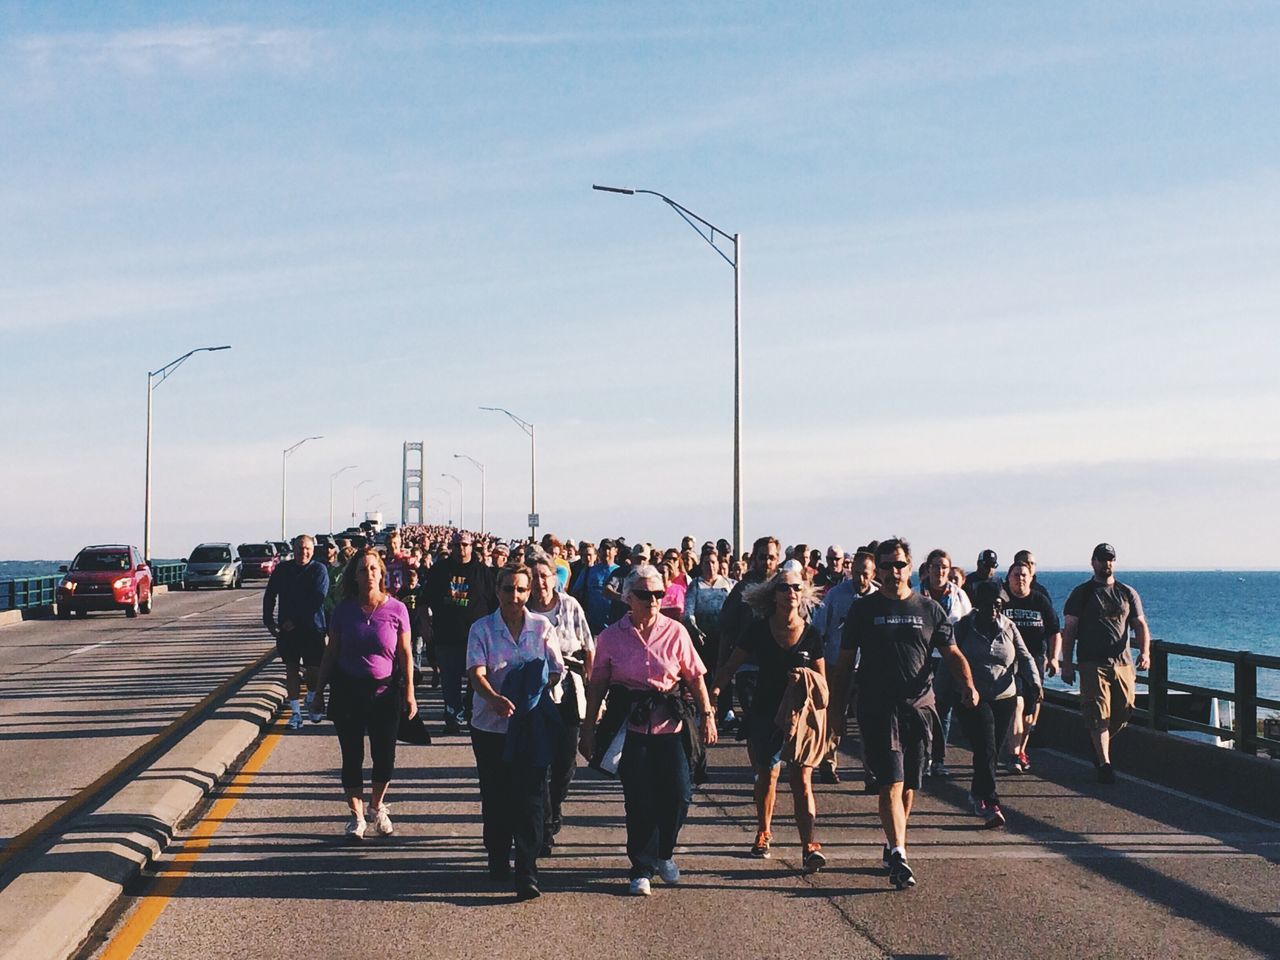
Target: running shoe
(992, 815)
(527, 889)
(295, 720)
(639, 887)
(900, 874)
(313, 712)
(668, 871)
(938, 769)
(382, 825)
(1025, 761)
(814, 860)
(355, 829)
(761, 847)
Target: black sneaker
(900, 874)
(527, 889)
(1106, 774)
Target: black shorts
(301, 644)
(896, 743)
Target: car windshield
(101, 560)
(256, 551)
(211, 555)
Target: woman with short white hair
(640, 663)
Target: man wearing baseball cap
(1098, 617)
(988, 563)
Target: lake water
(1228, 610)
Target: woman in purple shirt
(369, 634)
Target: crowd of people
(637, 659)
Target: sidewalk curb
(50, 910)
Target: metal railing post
(1246, 703)
(1158, 687)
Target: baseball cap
(461, 537)
(639, 551)
(1104, 551)
(987, 558)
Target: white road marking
(1212, 805)
(92, 646)
(188, 616)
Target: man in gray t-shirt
(1098, 615)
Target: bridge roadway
(1082, 870)
(78, 696)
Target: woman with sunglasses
(782, 641)
(998, 658)
(641, 661)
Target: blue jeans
(656, 791)
(452, 658)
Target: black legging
(358, 714)
(985, 725)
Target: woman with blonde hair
(789, 651)
(369, 664)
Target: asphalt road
(77, 696)
(1082, 870)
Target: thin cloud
(160, 49)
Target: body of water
(1228, 610)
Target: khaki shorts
(1106, 695)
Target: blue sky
(1008, 271)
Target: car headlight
(68, 585)
(122, 583)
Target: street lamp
(152, 382)
(527, 427)
(284, 479)
(462, 500)
(709, 231)
(479, 466)
(353, 499)
(448, 493)
(332, 477)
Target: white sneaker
(356, 828)
(312, 713)
(639, 887)
(668, 871)
(382, 820)
(295, 720)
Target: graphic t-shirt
(1035, 619)
(776, 662)
(1105, 612)
(895, 638)
(458, 596)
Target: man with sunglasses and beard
(894, 630)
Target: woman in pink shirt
(649, 655)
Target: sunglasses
(649, 596)
(892, 564)
(793, 587)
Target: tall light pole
(527, 427)
(462, 500)
(154, 379)
(353, 499)
(332, 477)
(708, 232)
(479, 466)
(284, 480)
(448, 493)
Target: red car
(105, 577)
(257, 560)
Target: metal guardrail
(32, 593)
(1244, 734)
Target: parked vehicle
(105, 577)
(257, 560)
(213, 565)
(283, 550)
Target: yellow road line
(165, 887)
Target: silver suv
(213, 565)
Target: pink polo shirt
(668, 656)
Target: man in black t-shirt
(988, 563)
(895, 630)
(459, 591)
(1098, 616)
(1032, 613)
